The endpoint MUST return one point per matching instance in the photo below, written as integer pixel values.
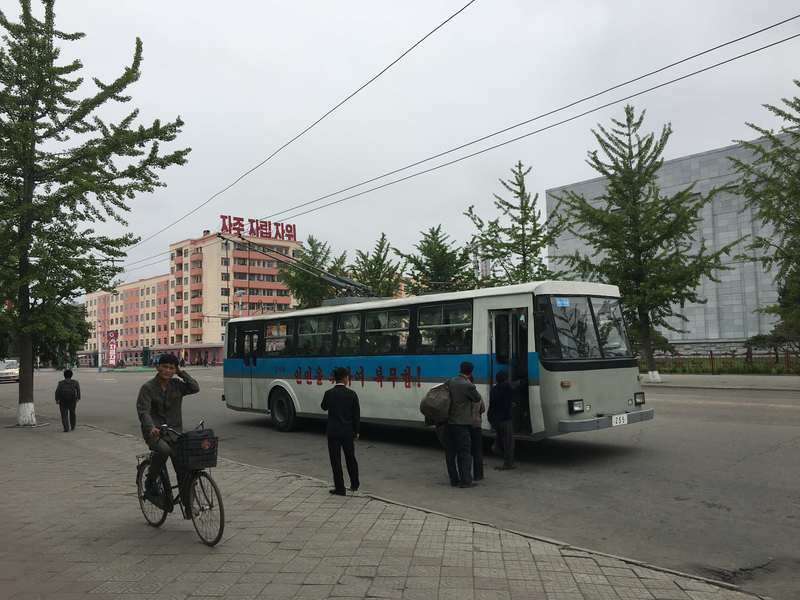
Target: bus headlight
(638, 398)
(575, 406)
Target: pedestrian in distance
(68, 392)
(463, 394)
(344, 420)
(476, 441)
(500, 418)
(159, 403)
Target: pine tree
(640, 239)
(62, 168)
(439, 265)
(308, 289)
(770, 185)
(515, 251)
(376, 270)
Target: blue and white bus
(566, 338)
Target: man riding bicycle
(159, 403)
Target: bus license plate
(619, 420)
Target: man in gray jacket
(159, 403)
(463, 394)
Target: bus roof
(580, 288)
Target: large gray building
(729, 315)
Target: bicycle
(194, 454)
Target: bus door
(508, 337)
(250, 346)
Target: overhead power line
(525, 122)
(533, 119)
(309, 127)
(540, 130)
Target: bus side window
(546, 340)
(239, 343)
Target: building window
(226, 276)
(225, 291)
(225, 261)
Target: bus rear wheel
(282, 410)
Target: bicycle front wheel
(154, 515)
(205, 504)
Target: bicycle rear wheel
(154, 515)
(206, 509)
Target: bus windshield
(586, 327)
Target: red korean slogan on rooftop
(268, 230)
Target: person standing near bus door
(344, 419)
(463, 394)
(501, 419)
(68, 392)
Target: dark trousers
(459, 454)
(337, 445)
(162, 451)
(505, 441)
(476, 449)
(67, 414)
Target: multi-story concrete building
(185, 311)
(729, 315)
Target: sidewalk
(73, 531)
(738, 382)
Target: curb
(560, 544)
(718, 387)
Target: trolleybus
(566, 339)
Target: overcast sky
(246, 76)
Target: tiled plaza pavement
(72, 529)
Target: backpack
(436, 404)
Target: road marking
(727, 403)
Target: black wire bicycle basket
(196, 450)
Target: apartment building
(185, 311)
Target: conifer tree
(62, 169)
(376, 271)
(640, 239)
(439, 265)
(308, 289)
(514, 243)
(770, 185)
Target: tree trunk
(26, 415)
(646, 346)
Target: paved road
(709, 487)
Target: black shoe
(338, 492)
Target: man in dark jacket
(463, 394)
(68, 392)
(159, 403)
(501, 400)
(344, 416)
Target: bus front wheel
(282, 410)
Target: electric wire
(542, 129)
(308, 128)
(527, 121)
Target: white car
(9, 370)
